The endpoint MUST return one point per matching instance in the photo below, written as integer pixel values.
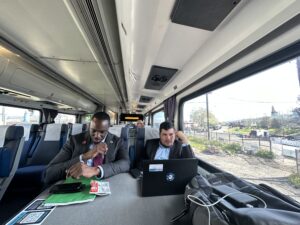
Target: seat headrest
(64, 128)
(3, 129)
(115, 130)
(14, 133)
(34, 128)
(151, 133)
(29, 128)
(53, 132)
(85, 127)
(77, 128)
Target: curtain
(170, 108)
(50, 115)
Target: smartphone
(67, 188)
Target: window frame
(281, 56)
(76, 116)
(154, 112)
(23, 107)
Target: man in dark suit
(167, 147)
(95, 153)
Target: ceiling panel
(87, 75)
(45, 28)
(188, 38)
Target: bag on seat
(268, 210)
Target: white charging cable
(193, 199)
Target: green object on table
(72, 198)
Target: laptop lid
(167, 177)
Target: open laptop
(167, 177)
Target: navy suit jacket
(177, 151)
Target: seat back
(151, 133)
(142, 135)
(76, 128)
(128, 136)
(140, 143)
(116, 130)
(51, 140)
(85, 127)
(10, 152)
(30, 134)
(63, 135)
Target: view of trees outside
(65, 118)
(87, 118)
(251, 128)
(14, 115)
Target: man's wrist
(100, 172)
(81, 158)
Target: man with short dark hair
(140, 124)
(94, 153)
(167, 147)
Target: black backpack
(280, 210)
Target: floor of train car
(12, 202)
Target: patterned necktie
(98, 160)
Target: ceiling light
(5, 51)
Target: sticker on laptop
(170, 176)
(156, 167)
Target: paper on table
(100, 188)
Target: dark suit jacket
(176, 151)
(116, 159)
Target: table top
(124, 206)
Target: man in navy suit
(167, 146)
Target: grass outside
(265, 154)
(232, 148)
(197, 144)
(295, 179)
(202, 144)
(244, 131)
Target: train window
(158, 118)
(87, 118)
(65, 118)
(147, 119)
(12, 115)
(113, 117)
(253, 127)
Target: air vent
(145, 99)
(203, 14)
(138, 111)
(141, 106)
(159, 77)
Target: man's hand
(81, 169)
(74, 171)
(181, 136)
(100, 148)
(89, 171)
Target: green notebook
(71, 198)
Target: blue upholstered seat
(11, 146)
